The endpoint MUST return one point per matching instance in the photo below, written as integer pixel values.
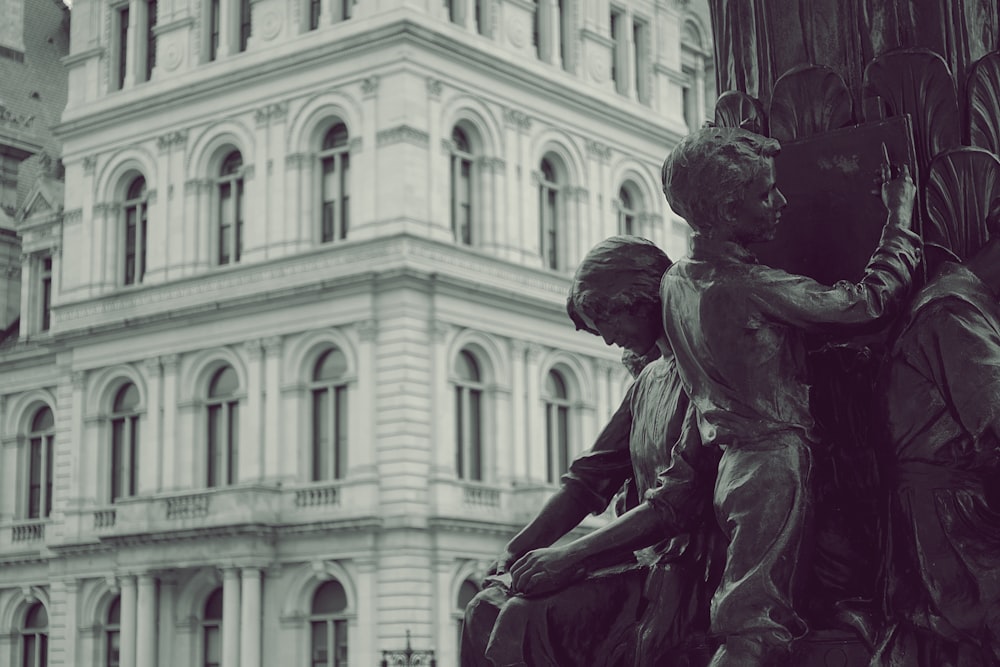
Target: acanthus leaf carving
(809, 100)
(962, 191)
(736, 109)
(984, 103)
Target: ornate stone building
(292, 360)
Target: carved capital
(254, 348)
(367, 330)
(78, 379)
(151, 366)
(89, 164)
(534, 352)
(295, 160)
(272, 345)
(169, 362)
(166, 141)
(517, 119)
(271, 113)
(440, 331)
(369, 86)
(434, 88)
(403, 133)
(598, 150)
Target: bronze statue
(939, 399)
(580, 603)
(737, 329)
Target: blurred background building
(285, 357)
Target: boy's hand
(542, 571)
(501, 564)
(897, 193)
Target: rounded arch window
(328, 390)
(468, 417)
(41, 440)
(112, 634)
(463, 186)
(550, 211)
(135, 224)
(230, 208)
(223, 427)
(124, 442)
(328, 626)
(557, 425)
(211, 630)
(629, 206)
(35, 637)
(334, 184)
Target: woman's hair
(619, 276)
(708, 172)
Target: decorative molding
(598, 150)
(448, 146)
(439, 330)
(270, 113)
(72, 216)
(151, 366)
(78, 379)
(272, 345)
(534, 351)
(434, 88)
(354, 145)
(166, 141)
(369, 86)
(295, 160)
(270, 25)
(517, 119)
(403, 133)
(89, 164)
(16, 120)
(254, 348)
(493, 164)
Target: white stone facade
(212, 290)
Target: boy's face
(755, 218)
(635, 332)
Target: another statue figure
(940, 400)
(737, 329)
(580, 603)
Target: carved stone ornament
(270, 24)
(808, 100)
(984, 101)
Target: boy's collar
(703, 247)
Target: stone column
(132, 45)
(168, 450)
(534, 440)
(128, 618)
(272, 444)
(167, 596)
(294, 173)
(251, 422)
(150, 444)
(251, 621)
(443, 419)
(361, 448)
(145, 635)
(227, 42)
(231, 617)
(628, 68)
(519, 444)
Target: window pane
(35, 479)
(340, 640)
(475, 435)
(114, 611)
(232, 444)
(215, 435)
(238, 241)
(460, 443)
(340, 424)
(549, 443)
(562, 451)
(36, 618)
(213, 606)
(225, 223)
(117, 457)
(126, 399)
(224, 383)
(133, 452)
(113, 648)
(320, 643)
(321, 434)
(48, 475)
(213, 646)
(330, 598)
(29, 649)
(466, 367)
(332, 365)
(43, 421)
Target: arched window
(626, 213)
(461, 186)
(35, 637)
(329, 416)
(211, 630)
(315, 8)
(334, 165)
(112, 634)
(135, 231)
(40, 454)
(468, 591)
(230, 227)
(549, 213)
(469, 418)
(223, 427)
(328, 625)
(557, 408)
(124, 442)
(246, 25)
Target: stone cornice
(574, 95)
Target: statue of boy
(579, 603)
(737, 329)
